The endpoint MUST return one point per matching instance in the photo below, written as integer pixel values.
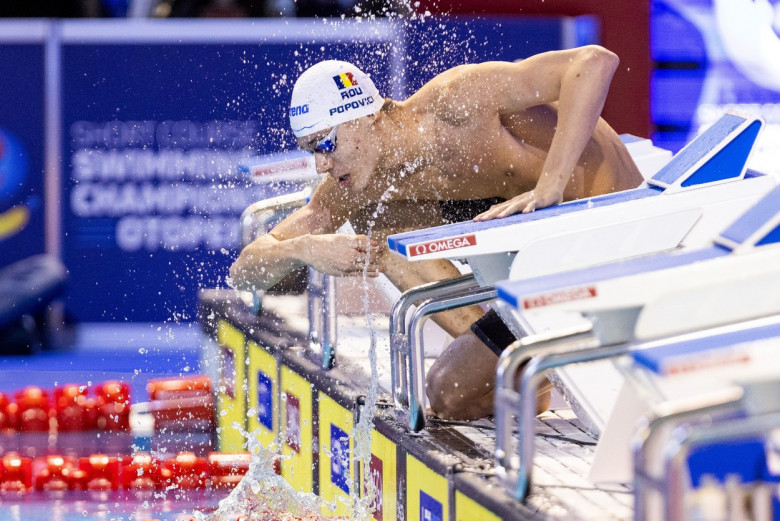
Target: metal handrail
(534, 356)
(416, 368)
(509, 402)
(647, 438)
(506, 374)
(258, 219)
(323, 324)
(687, 439)
(615, 327)
(399, 347)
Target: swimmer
(518, 135)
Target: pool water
(133, 353)
(113, 506)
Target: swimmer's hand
(525, 203)
(339, 254)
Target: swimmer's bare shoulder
(454, 95)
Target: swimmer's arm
(306, 237)
(578, 79)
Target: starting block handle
(399, 348)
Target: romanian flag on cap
(344, 80)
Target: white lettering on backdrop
(170, 185)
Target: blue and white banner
(154, 134)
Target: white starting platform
(711, 445)
(684, 205)
(734, 279)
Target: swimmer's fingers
(370, 267)
(530, 207)
(359, 273)
(364, 250)
(492, 213)
(366, 260)
(341, 255)
(525, 203)
(362, 243)
(512, 206)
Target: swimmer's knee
(450, 400)
(439, 397)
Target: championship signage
(156, 132)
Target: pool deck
(461, 451)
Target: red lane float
(15, 473)
(102, 472)
(176, 404)
(8, 418)
(187, 471)
(226, 470)
(113, 404)
(33, 409)
(182, 404)
(55, 473)
(69, 409)
(74, 410)
(142, 472)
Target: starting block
(734, 279)
(693, 196)
(730, 374)
(711, 434)
(684, 204)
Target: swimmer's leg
(461, 381)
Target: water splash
(365, 505)
(263, 495)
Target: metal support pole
(399, 345)
(417, 348)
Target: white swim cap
(330, 93)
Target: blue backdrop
(21, 150)
(712, 56)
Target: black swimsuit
(490, 329)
